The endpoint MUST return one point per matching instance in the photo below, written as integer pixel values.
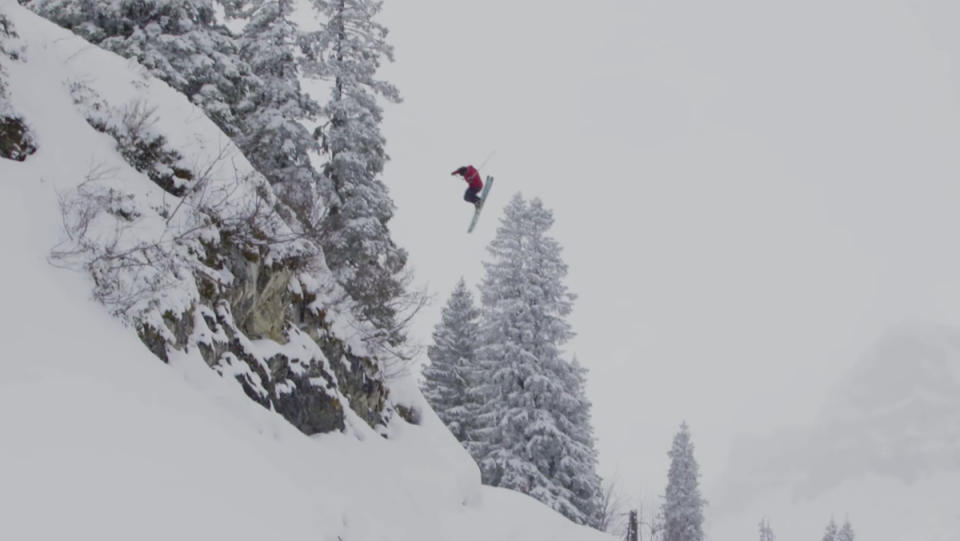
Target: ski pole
(487, 159)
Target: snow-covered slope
(100, 440)
(885, 451)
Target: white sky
(747, 192)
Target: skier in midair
(474, 184)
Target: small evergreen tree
(683, 505)
(831, 532)
(846, 532)
(766, 533)
(633, 527)
(535, 433)
(356, 241)
(449, 379)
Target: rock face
(276, 343)
(15, 140)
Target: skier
(474, 184)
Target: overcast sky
(747, 192)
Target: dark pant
(471, 195)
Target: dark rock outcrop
(15, 140)
(310, 384)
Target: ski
(483, 202)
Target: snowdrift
(101, 440)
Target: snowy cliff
(178, 401)
(183, 238)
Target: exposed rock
(16, 143)
(409, 414)
(261, 297)
(309, 389)
(302, 402)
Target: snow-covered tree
(846, 532)
(450, 378)
(535, 430)
(835, 533)
(179, 41)
(6, 32)
(831, 533)
(7, 36)
(276, 140)
(766, 533)
(347, 51)
(249, 84)
(683, 505)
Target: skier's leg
(471, 196)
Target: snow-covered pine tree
(846, 532)
(276, 140)
(356, 241)
(450, 378)
(683, 505)
(535, 434)
(831, 533)
(7, 33)
(766, 533)
(7, 36)
(179, 41)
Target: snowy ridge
(103, 441)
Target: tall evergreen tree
(276, 140)
(766, 533)
(450, 378)
(683, 505)
(347, 51)
(179, 41)
(535, 435)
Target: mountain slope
(101, 440)
(885, 449)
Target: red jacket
(471, 175)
